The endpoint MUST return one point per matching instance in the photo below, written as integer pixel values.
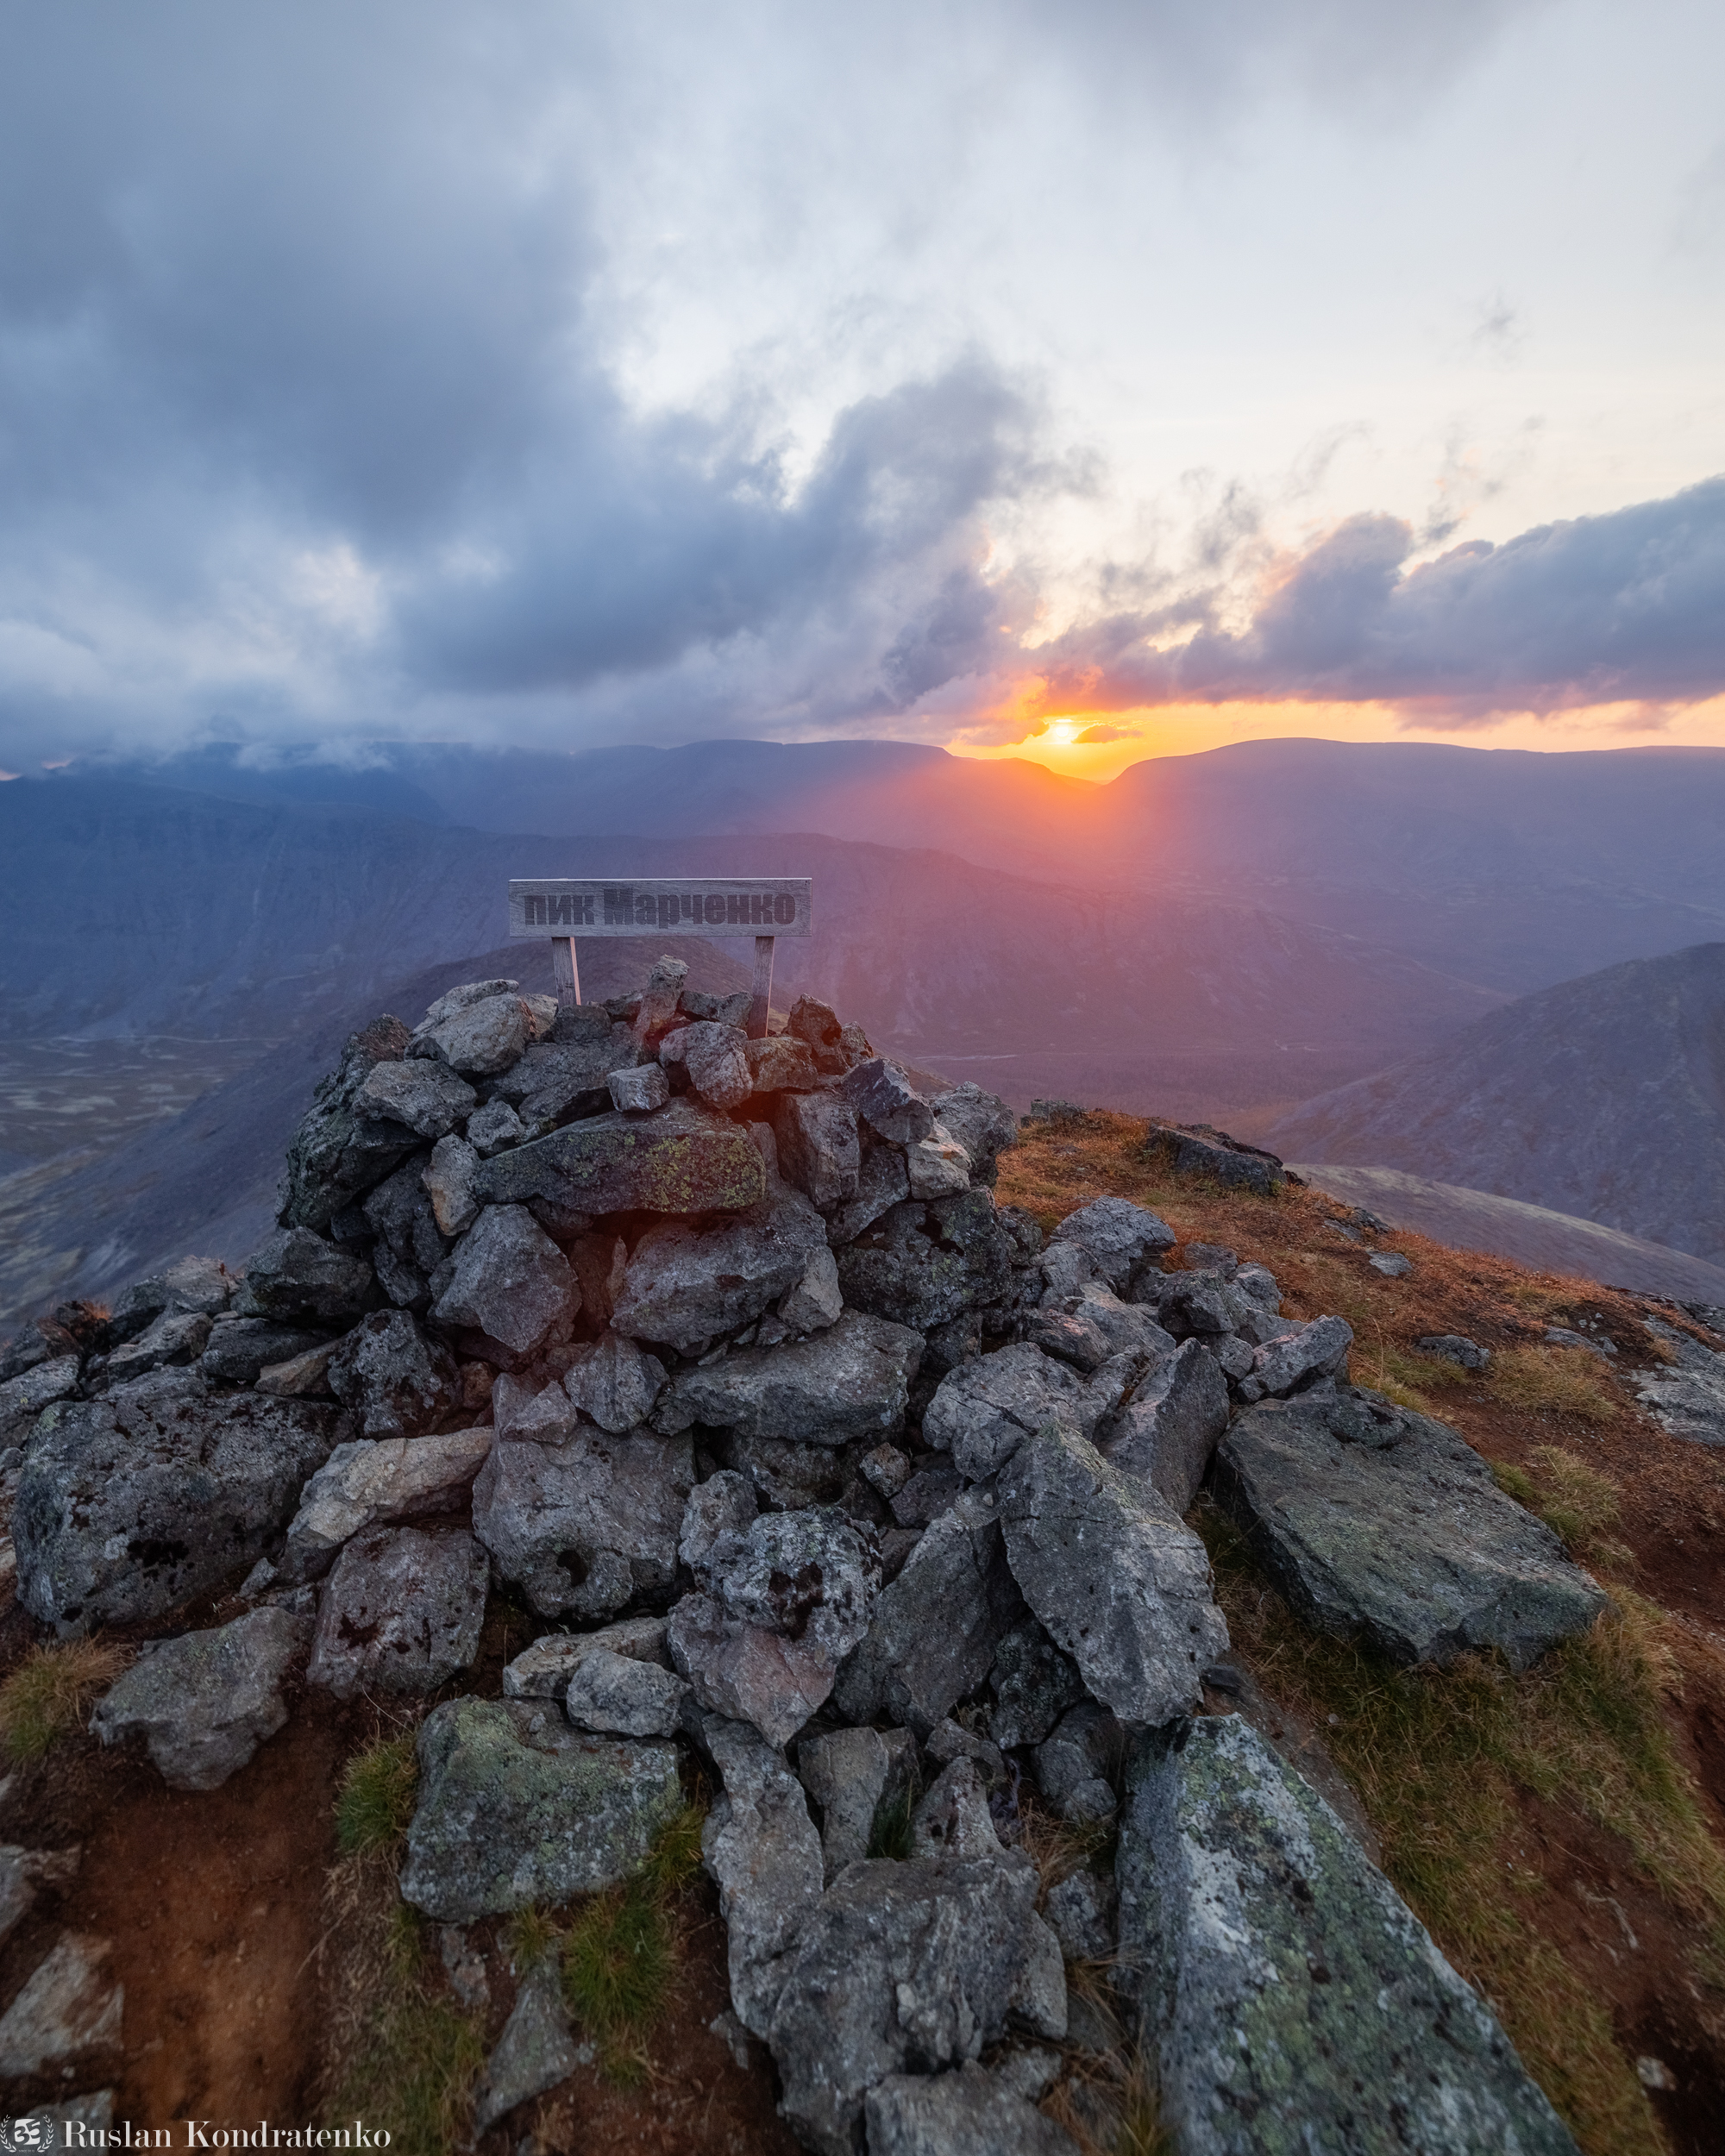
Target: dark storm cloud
(1625, 607)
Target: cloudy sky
(992, 374)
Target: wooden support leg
(763, 988)
(564, 970)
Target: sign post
(559, 910)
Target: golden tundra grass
(46, 1696)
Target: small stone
(448, 1181)
(886, 1470)
(462, 998)
(746, 1672)
(657, 1011)
(544, 1670)
(1393, 1265)
(534, 2053)
(371, 1481)
(724, 1504)
(972, 2112)
(1033, 1683)
(402, 1612)
(852, 1774)
(761, 1849)
(1317, 1350)
(816, 1301)
(1080, 1910)
(1076, 1766)
(302, 1377)
(686, 1287)
(490, 1129)
(883, 1181)
(952, 1819)
(203, 1284)
(1167, 1435)
(938, 1167)
(176, 1336)
(1561, 1335)
(239, 1349)
(206, 1702)
(1455, 1347)
(981, 1122)
(23, 1398)
(638, 1090)
(393, 1381)
(716, 1060)
(983, 1411)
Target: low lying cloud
(1626, 607)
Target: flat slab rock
(515, 1807)
(374, 1480)
(680, 1158)
(132, 1504)
(1117, 1578)
(1372, 1519)
(206, 1702)
(1687, 1397)
(1293, 2000)
(851, 1381)
(70, 2007)
(969, 2113)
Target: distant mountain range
(1510, 869)
(1604, 1097)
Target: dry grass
(46, 1696)
(1108, 2103)
(1554, 1380)
(374, 1804)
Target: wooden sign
(559, 909)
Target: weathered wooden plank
(670, 905)
(566, 974)
(761, 1001)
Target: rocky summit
(835, 1487)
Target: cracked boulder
(761, 1850)
(1289, 1995)
(206, 1702)
(681, 1158)
(1289, 1360)
(130, 1505)
(852, 1774)
(818, 1147)
(983, 1411)
(427, 1098)
(901, 1965)
(336, 1154)
(393, 1380)
(1373, 1519)
(981, 1122)
(1117, 1236)
(921, 1265)
(480, 1039)
(586, 1523)
(515, 1807)
(401, 1612)
(370, 1481)
(296, 1278)
(1119, 1582)
(1088, 1328)
(613, 1382)
(684, 1286)
(511, 1284)
(936, 1627)
(1167, 1433)
(851, 1381)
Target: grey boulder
(613, 1382)
(887, 1100)
(238, 1348)
(640, 1090)
(621, 1695)
(1457, 1348)
(23, 1398)
(1686, 1397)
(203, 1284)
(176, 1337)
(372, 1479)
(336, 1153)
(571, 1076)
(585, 1524)
(426, 1096)
(724, 1504)
(1034, 1683)
(762, 1851)
(972, 2112)
(1079, 1762)
(983, 1411)
(1314, 1351)
(685, 1287)
(401, 1612)
(981, 1122)
(818, 1147)
(511, 1283)
(130, 1505)
(448, 1179)
(1373, 1519)
(717, 1059)
(1167, 1433)
(1119, 1582)
(936, 1627)
(1290, 1998)
(900, 1965)
(851, 1381)
(883, 1181)
(393, 1381)
(922, 1265)
(206, 1702)
(296, 1278)
(1115, 1234)
(1088, 1328)
(682, 1158)
(544, 1670)
(481, 1039)
(515, 1807)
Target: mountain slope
(1604, 1097)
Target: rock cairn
(830, 1473)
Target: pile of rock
(824, 1468)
